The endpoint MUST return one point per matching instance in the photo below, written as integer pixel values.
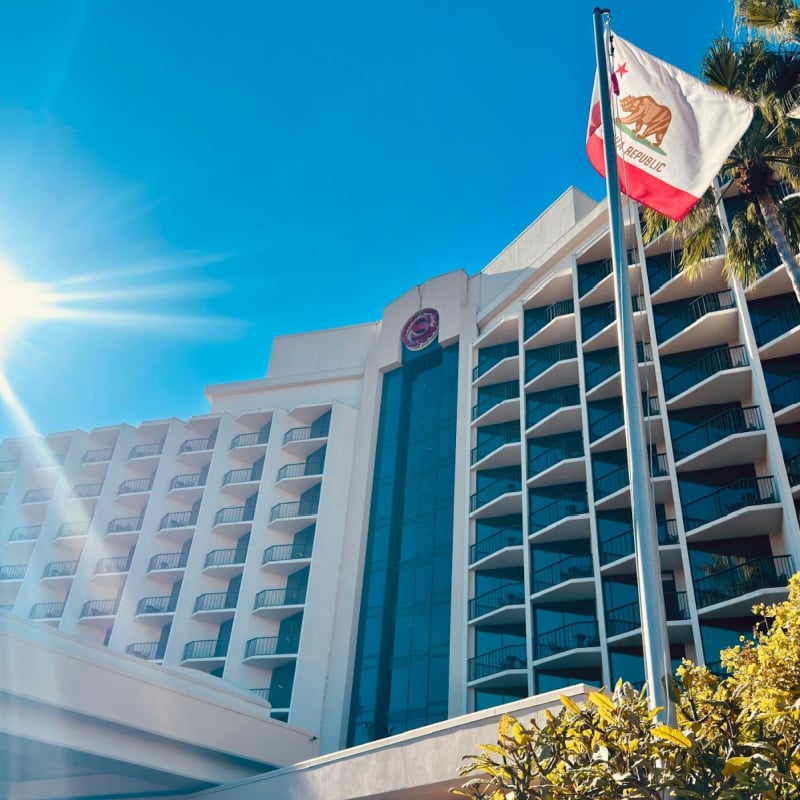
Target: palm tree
(776, 19)
(764, 167)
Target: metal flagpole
(648, 568)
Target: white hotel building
(427, 516)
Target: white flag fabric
(673, 132)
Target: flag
(672, 131)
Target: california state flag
(672, 131)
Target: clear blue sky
(261, 168)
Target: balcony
(135, 485)
(550, 324)
(595, 318)
(589, 275)
(283, 558)
(300, 470)
(165, 604)
(576, 635)
(775, 327)
(497, 542)
(505, 604)
(150, 450)
(272, 650)
(304, 440)
(570, 505)
(551, 367)
(494, 667)
(123, 525)
(622, 545)
(9, 464)
(714, 363)
(491, 397)
(235, 520)
(206, 649)
(46, 611)
(37, 496)
(225, 563)
(491, 494)
(771, 572)
(60, 569)
(26, 533)
(568, 448)
(111, 566)
(627, 618)
(178, 519)
(553, 411)
(239, 476)
(727, 500)
(662, 268)
(211, 603)
(51, 460)
(201, 445)
(256, 439)
(279, 603)
(602, 365)
(490, 360)
(86, 491)
(97, 456)
(683, 324)
(149, 651)
(99, 608)
(714, 432)
(793, 470)
(70, 530)
(617, 479)
(571, 567)
(12, 572)
(508, 434)
(295, 510)
(785, 394)
(167, 561)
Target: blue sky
(235, 171)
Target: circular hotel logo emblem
(421, 329)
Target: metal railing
(777, 323)
(621, 545)
(508, 434)
(150, 651)
(728, 499)
(539, 405)
(52, 460)
(136, 485)
(299, 470)
(511, 593)
(12, 572)
(165, 604)
(117, 564)
(785, 394)
(167, 561)
(590, 274)
(46, 611)
(198, 445)
(306, 432)
(287, 552)
(234, 514)
(507, 537)
(240, 476)
(37, 496)
(768, 572)
(189, 480)
(271, 646)
(299, 508)
(611, 482)
(566, 448)
(569, 637)
(719, 427)
(87, 490)
(610, 421)
(576, 565)
(623, 619)
(595, 318)
(723, 358)
(9, 464)
(510, 657)
(540, 359)
(99, 608)
(97, 456)
(124, 525)
(492, 491)
(489, 357)
(693, 311)
(178, 519)
(290, 596)
(206, 648)
(145, 450)
(793, 470)
(569, 505)
(662, 268)
(26, 533)
(60, 569)
(538, 318)
(216, 601)
(250, 439)
(490, 396)
(68, 529)
(225, 558)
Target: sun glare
(22, 303)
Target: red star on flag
(622, 69)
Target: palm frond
(789, 216)
(767, 14)
(749, 245)
(720, 65)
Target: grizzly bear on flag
(647, 117)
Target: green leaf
(671, 735)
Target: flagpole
(648, 567)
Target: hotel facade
(427, 516)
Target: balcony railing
(145, 450)
(240, 476)
(793, 470)
(178, 519)
(728, 499)
(46, 611)
(287, 552)
(197, 445)
(271, 646)
(167, 561)
(299, 470)
(769, 572)
(727, 423)
(569, 637)
(621, 545)
(539, 405)
(541, 359)
(628, 617)
(8, 464)
(569, 505)
(124, 525)
(662, 268)
(27, 533)
(52, 460)
(206, 648)
(225, 558)
(290, 596)
(778, 323)
(307, 432)
(568, 447)
(577, 565)
(234, 514)
(86, 491)
(610, 421)
(508, 537)
(60, 569)
(12, 572)
(150, 651)
(492, 491)
(135, 485)
(188, 481)
(108, 565)
(37, 496)
(512, 656)
(723, 358)
(99, 608)
(595, 318)
(164, 604)
(511, 593)
(693, 311)
(537, 318)
(490, 396)
(216, 601)
(301, 508)
(69, 529)
(785, 394)
(489, 357)
(97, 456)
(506, 435)
(250, 439)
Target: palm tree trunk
(770, 213)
